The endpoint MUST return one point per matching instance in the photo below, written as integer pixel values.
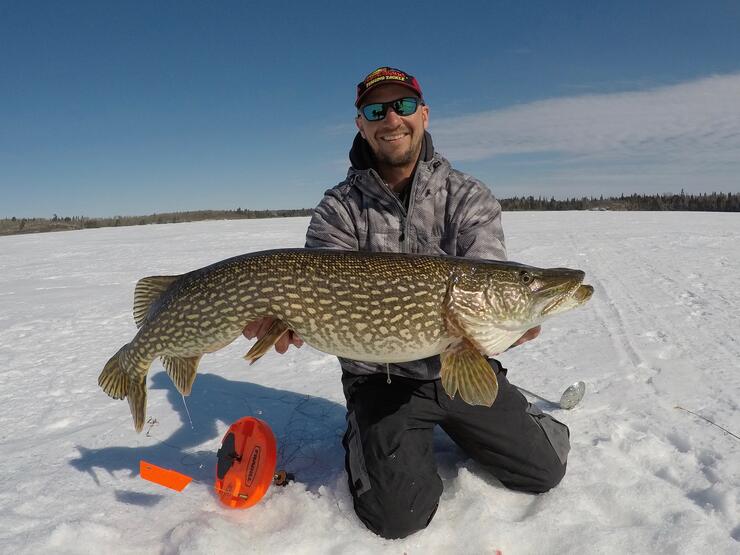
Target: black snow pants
(389, 453)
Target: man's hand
(258, 329)
(528, 336)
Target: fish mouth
(574, 298)
(583, 293)
(565, 289)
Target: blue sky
(123, 108)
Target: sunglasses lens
(402, 106)
(374, 112)
(405, 106)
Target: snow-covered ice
(644, 476)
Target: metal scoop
(568, 400)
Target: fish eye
(525, 277)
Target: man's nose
(391, 117)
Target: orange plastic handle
(164, 477)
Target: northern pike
(374, 307)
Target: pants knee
(549, 478)
(391, 521)
(535, 479)
(552, 456)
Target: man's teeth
(393, 137)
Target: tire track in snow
(608, 311)
(703, 302)
(696, 473)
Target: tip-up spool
(246, 463)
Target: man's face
(395, 140)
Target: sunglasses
(403, 107)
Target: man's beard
(401, 159)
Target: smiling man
(402, 196)
(392, 121)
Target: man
(402, 196)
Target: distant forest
(10, 226)
(706, 202)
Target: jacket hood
(361, 156)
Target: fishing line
(707, 419)
(187, 411)
(185, 454)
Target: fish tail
(117, 383)
(137, 403)
(113, 379)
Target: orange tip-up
(163, 476)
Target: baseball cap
(384, 76)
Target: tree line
(707, 202)
(9, 226)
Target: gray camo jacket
(449, 213)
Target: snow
(644, 477)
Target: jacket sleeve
(331, 225)
(481, 234)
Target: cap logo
(385, 75)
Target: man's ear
(425, 115)
(359, 127)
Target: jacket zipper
(404, 238)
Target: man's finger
(295, 339)
(257, 328)
(250, 330)
(281, 345)
(265, 324)
(528, 336)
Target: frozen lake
(644, 476)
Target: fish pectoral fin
(181, 371)
(466, 371)
(148, 290)
(265, 343)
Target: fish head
(494, 303)
(519, 297)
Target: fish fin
(467, 371)
(148, 290)
(181, 371)
(116, 382)
(265, 343)
(136, 397)
(113, 379)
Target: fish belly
(373, 349)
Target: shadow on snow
(308, 432)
